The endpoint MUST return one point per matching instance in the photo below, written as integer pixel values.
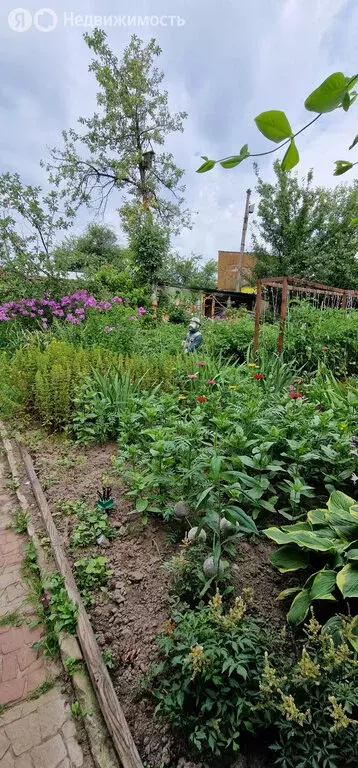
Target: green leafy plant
(208, 683)
(20, 520)
(187, 578)
(69, 508)
(327, 538)
(62, 611)
(109, 659)
(93, 525)
(73, 665)
(92, 572)
(78, 712)
(313, 703)
(100, 403)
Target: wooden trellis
(287, 284)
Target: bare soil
(128, 615)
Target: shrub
(45, 388)
(208, 683)
(329, 335)
(313, 704)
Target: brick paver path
(35, 733)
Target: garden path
(34, 732)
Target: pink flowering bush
(72, 309)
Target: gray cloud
(228, 62)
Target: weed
(109, 659)
(30, 568)
(54, 609)
(13, 619)
(78, 712)
(45, 542)
(62, 611)
(92, 525)
(92, 572)
(47, 685)
(69, 508)
(48, 482)
(12, 484)
(19, 521)
(69, 462)
(187, 579)
(73, 665)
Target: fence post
(257, 317)
(282, 314)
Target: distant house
(228, 271)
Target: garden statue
(194, 337)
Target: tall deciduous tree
(29, 223)
(304, 231)
(149, 244)
(190, 271)
(114, 150)
(96, 248)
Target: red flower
(211, 381)
(201, 399)
(258, 376)
(324, 349)
(201, 363)
(192, 375)
(295, 395)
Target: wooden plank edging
(102, 683)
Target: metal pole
(257, 317)
(282, 314)
(243, 238)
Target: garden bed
(129, 613)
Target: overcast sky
(229, 61)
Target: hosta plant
(325, 541)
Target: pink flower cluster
(70, 308)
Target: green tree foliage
(304, 230)
(149, 244)
(190, 271)
(96, 248)
(29, 223)
(110, 152)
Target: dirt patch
(127, 616)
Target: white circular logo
(19, 20)
(45, 20)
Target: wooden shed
(228, 269)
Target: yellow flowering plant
(313, 703)
(207, 685)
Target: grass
(47, 685)
(13, 619)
